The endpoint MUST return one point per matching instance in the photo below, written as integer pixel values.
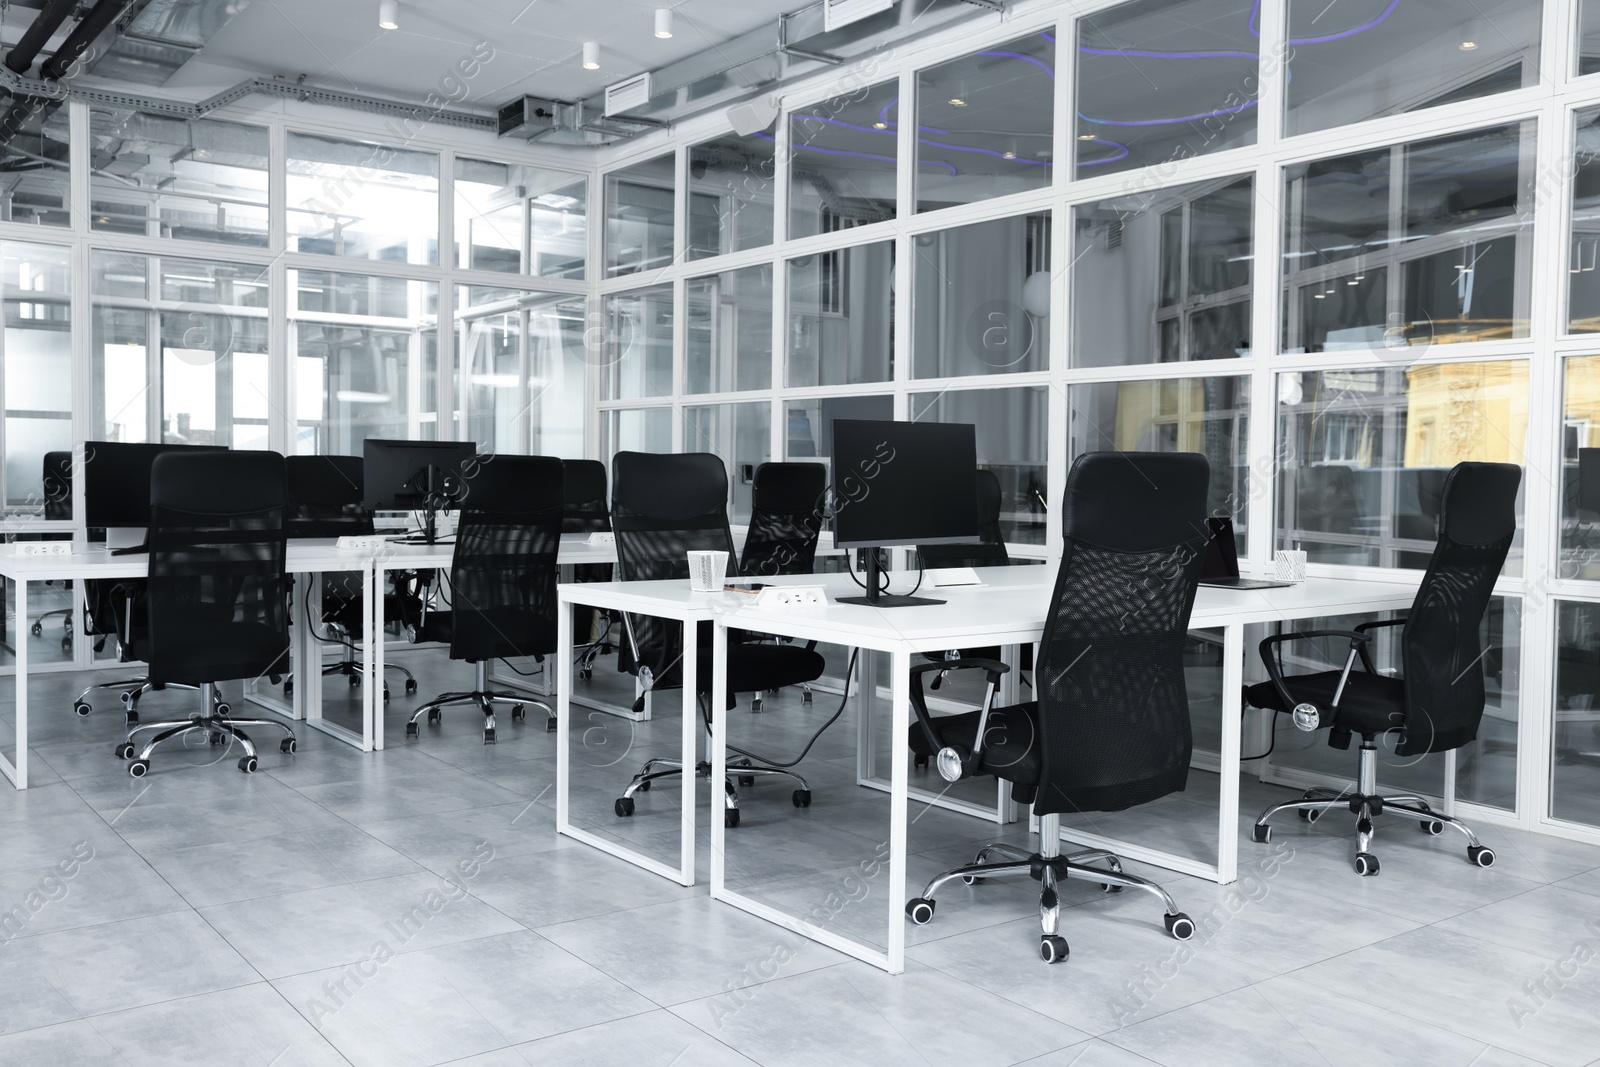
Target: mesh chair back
(503, 572)
(1442, 656)
(218, 593)
(989, 550)
(585, 497)
(58, 485)
(325, 496)
(662, 508)
(1113, 707)
(785, 519)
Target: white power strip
(602, 537)
(365, 543)
(792, 597)
(41, 548)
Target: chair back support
(1442, 655)
(662, 508)
(503, 572)
(585, 497)
(218, 593)
(989, 550)
(325, 496)
(785, 519)
(1113, 706)
(58, 485)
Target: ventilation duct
(99, 18)
(44, 24)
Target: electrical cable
(843, 700)
(1270, 747)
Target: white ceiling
(537, 44)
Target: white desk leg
(563, 716)
(866, 694)
(372, 668)
(308, 668)
(1232, 727)
(900, 770)
(719, 753)
(22, 684)
(690, 782)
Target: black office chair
(1111, 726)
(502, 583)
(217, 603)
(586, 512)
(1437, 703)
(326, 499)
(662, 508)
(989, 550)
(57, 508)
(785, 520)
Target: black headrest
(680, 486)
(789, 488)
(512, 485)
(585, 480)
(325, 481)
(1480, 503)
(218, 483)
(1136, 501)
(988, 497)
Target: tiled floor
(302, 916)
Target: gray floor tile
(439, 840)
(571, 883)
(654, 1039)
(1093, 1053)
(271, 866)
(44, 900)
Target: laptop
(1221, 567)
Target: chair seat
(1370, 705)
(753, 668)
(238, 650)
(498, 633)
(1010, 746)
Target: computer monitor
(902, 483)
(116, 487)
(426, 476)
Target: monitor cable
(849, 672)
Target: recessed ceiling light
(1088, 137)
(956, 101)
(389, 14)
(663, 22)
(591, 55)
(880, 125)
(1319, 296)
(1008, 155)
(1469, 46)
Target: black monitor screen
(395, 473)
(904, 483)
(116, 481)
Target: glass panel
(1575, 737)
(520, 388)
(842, 161)
(729, 334)
(1486, 769)
(1161, 278)
(1588, 36)
(35, 156)
(198, 179)
(36, 380)
(982, 299)
(1206, 415)
(209, 382)
(841, 316)
(730, 194)
(1161, 81)
(739, 433)
(1580, 482)
(1012, 429)
(639, 215)
(638, 352)
(364, 360)
(1440, 254)
(1363, 455)
(639, 430)
(500, 207)
(365, 201)
(1357, 60)
(810, 422)
(986, 123)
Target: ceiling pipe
(101, 16)
(45, 23)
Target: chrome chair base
(484, 699)
(1050, 869)
(1366, 803)
(218, 726)
(130, 690)
(744, 771)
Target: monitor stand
(125, 536)
(876, 580)
(430, 522)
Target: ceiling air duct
(45, 23)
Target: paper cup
(1291, 565)
(707, 571)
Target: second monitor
(425, 476)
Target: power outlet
(364, 543)
(792, 597)
(602, 537)
(42, 548)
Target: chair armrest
(1366, 659)
(919, 705)
(993, 666)
(1275, 669)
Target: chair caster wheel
(1052, 948)
(355, 681)
(730, 817)
(1261, 834)
(518, 713)
(550, 726)
(1109, 889)
(919, 761)
(411, 730)
(247, 764)
(1180, 926)
(623, 807)
(66, 643)
(802, 798)
(82, 707)
(585, 673)
(411, 686)
(920, 910)
(435, 717)
(139, 768)
(488, 735)
(125, 750)
(288, 689)
(131, 718)
(644, 787)
(223, 708)
(1432, 827)
(805, 697)
(386, 694)
(1482, 855)
(215, 737)
(288, 746)
(1310, 816)
(1366, 864)
(972, 879)
(755, 705)
(747, 781)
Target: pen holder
(707, 571)
(1291, 565)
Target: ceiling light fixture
(956, 101)
(1008, 155)
(1469, 46)
(880, 125)
(388, 14)
(663, 22)
(1088, 137)
(591, 55)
